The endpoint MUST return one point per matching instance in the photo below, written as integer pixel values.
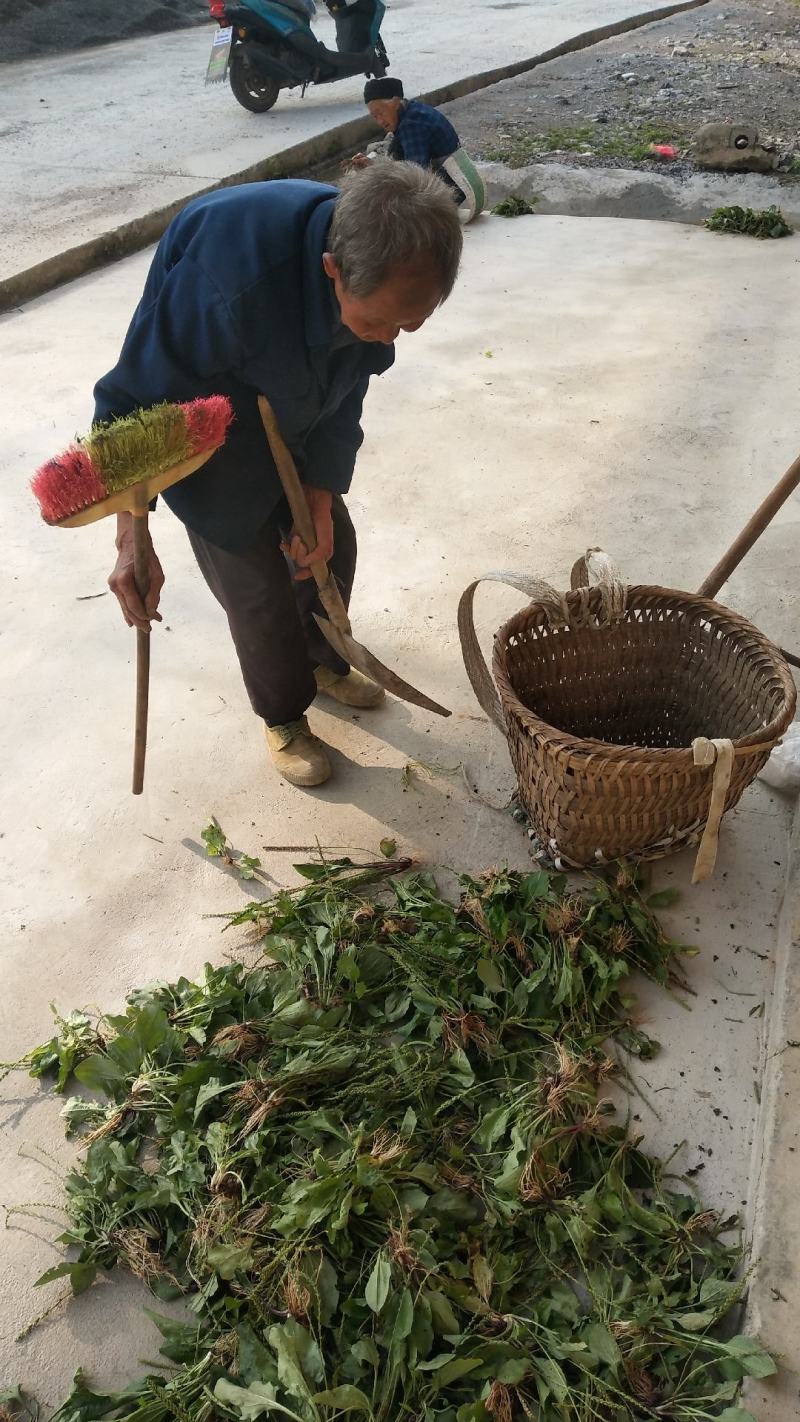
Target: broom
(118, 468)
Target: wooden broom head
(124, 464)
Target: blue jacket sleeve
(332, 446)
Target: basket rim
(586, 748)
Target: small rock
(561, 99)
(601, 117)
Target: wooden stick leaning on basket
(631, 686)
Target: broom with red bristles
(118, 468)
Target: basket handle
(595, 568)
(718, 753)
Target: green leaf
(493, 1125)
(553, 1378)
(99, 1073)
(601, 1344)
(251, 1402)
(150, 1028)
(378, 1283)
(388, 848)
(442, 1315)
(489, 974)
(663, 898)
(696, 1322)
(408, 1125)
(81, 1276)
(366, 1352)
(405, 1316)
(212, 1088)
(456, 1368)
(14, 1397)
(246, 866)
(298, 1357)
(230, 1259)
(516, 1370)
(750, 1356)
(736, 1414)
(345, 1398)
(483, 1276)
(215, 840)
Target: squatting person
(418, 133)
(297, 291)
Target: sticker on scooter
(220, 55)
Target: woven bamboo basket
(635, 716)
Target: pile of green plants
(379, 1161)
(748, 223)
(513, 206)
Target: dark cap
(382, 89)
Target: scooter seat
(316, 51)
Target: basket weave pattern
(600, 716)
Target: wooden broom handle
(329, 594)
(141, 574)
(753, 530)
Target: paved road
(640, 395)
(91, 140)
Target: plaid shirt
(423, 135)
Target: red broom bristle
(207, 421)
(67, 484)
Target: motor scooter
(264, 46)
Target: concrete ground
(91, 140)
(589, 382)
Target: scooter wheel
(254, 91)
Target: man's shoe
(354, 689)
(297, 754)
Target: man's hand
(123, 584)
(319, 502)
(358, 160)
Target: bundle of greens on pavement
(378, 1161)
(745, 222)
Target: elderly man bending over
(296, 290)
(418, 133)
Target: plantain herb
(378, 1161)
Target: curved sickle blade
(357, 656)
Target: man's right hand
(123, 584)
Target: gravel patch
(734, 61)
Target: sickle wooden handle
(329, 594)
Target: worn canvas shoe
(297, 754)
(354, 689)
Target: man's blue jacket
(237, 303)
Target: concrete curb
(558, 189)
(337, 142)
(773, 1304)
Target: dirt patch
(737, 61)
(42, 27)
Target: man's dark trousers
(270, 613)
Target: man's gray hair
(394, 214)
